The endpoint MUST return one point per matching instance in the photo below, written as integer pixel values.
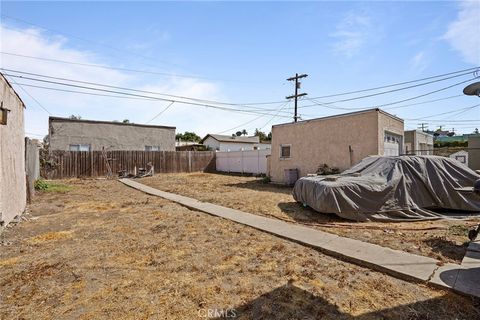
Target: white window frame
(282, 157)
(79, 147)
(152, 148)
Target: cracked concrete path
(397, 263)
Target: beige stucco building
(87, 135)
(474, 152)
(418, 143)
(13, 192)
(338, 141)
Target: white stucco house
(220, 142)
(461, 156)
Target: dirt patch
(134, 256)
(442, 240)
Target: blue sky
(242, 52)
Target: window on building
(152, 148)
(79, 147)
(285, 151)
(462, 159)
(3, 114)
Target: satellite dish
(472, 89)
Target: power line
(106, 67)
(444, 113)
(395, 90)
(161, 112)
(84, 92)
(85, 40)
(32, 97)
(243, 124)
(395, 84)
(425, 102)
(325, 104)
(143, 96)
(247, 105)
(274, 116)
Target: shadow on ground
(291, 302)
(258, 185)
(303, 214)
(447, 248)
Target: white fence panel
(248, 161)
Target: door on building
(391, 144)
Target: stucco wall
(112, 136)
(474, 152)
(326, 140)
(418, 142)
(389, 124)
(13, 195)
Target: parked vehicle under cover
(402, 188)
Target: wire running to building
(246, 105)
(473, 70)
(153, 98)
(32, 97)
(161, 112)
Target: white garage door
(391, 144)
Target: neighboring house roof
(59, 119)
(225, 138)
(343, 115)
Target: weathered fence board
(72, 164)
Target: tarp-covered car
(402, 188)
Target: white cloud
(463, 33)
(352, 33)
(419, 62)
(33, 42)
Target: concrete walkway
(463, 278)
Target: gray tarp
(403, 188)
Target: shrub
(41, 185)
(325, 170)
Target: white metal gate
(249, 161)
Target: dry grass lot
(100, 250)
(443, 240)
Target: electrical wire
(426, 118)
(143, 96)
(474, 69)
(143, 91)
(275, 115)
(325, 104)
(85, 40)
(106, 67)
(32, 97)
(161, 112)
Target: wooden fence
(72, 164)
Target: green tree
(74, 117)
(244, 132)
(238, 133)
(261, 135)
(475, 131)
(126, 121)
(188, 136)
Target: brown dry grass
(134, 256)
(442, 240)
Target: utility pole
(296, 95)
(424, 126)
